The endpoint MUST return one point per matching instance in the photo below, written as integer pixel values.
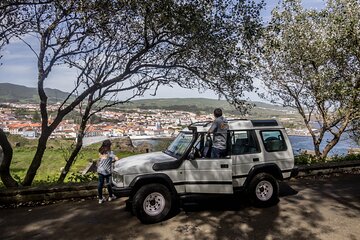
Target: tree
(355, 131)
(9, 22)
(12, 24)
(311, 62)
(206, 44)
(157, 62)
(89, 72)
(5, 162)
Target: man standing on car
(219, 129)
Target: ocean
(298, 143)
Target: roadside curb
(54, 193)
(73, 191)
(328, 168)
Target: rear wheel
(152, 203)
(264, 190)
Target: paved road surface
(325, 208)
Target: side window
(273, 140)
(244, 142)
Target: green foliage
(54, 159)
(311, 62)
(67, 149)
(306, 159)
(80, 178)
(349, 157)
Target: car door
(206, 175)
(245, 153)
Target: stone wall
(39, 194)
(69, 191)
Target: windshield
(178, 147)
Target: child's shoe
(111, 198)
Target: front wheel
(264, 190)
(152, 203)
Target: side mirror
(191, 155)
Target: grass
(53, 161)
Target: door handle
(224, 165)
(256, 159)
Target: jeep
(259, 155)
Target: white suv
(259, 155)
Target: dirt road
(325, 208)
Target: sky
(19, 67)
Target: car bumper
(294, 172)
(121, 192)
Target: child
(106, 158)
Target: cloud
(62, 78)
(16, 69)
(20, 65)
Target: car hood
(141, 163)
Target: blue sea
(300, 143)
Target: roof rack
(264, 123)
(237, 119)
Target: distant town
(136, 123)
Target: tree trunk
(36, 162)
(79, 143)
(317, 149)
(329, 146)
(5, 175)
(72, 158)
(316, 140)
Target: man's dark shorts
(218, 153)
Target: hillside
(260, 110)
(17, 93)
(198, 102)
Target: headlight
(118, 179)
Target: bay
(298, 143)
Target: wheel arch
(269, 168)
(159, 178)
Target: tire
(263, 190)
(152, 203)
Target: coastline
(150, 137)
(299, 142)
(299, 135)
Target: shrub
(306, 159)
(81, 178)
